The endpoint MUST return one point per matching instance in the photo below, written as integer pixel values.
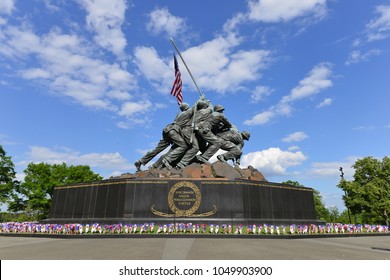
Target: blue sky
(88, 81)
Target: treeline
(31, 199)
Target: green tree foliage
(7, 176)
(368, 194)
(322, 212)
(334, 215)
(40, 180)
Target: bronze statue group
(201, 128)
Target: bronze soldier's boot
(166, 163)
(221, 158)
(138, 165)
(201, 159)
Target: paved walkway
(347, 248)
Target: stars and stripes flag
(177, 85)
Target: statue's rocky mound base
(217, 170)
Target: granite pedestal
(195, 200)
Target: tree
(40, 180)
(7, 176)
(334, 214)
(368, 194)
(322, 212)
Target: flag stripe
(176, 90)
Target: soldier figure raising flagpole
(201, 128)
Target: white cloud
(50, 6)
(5, 140)
(214, 64)
(106, 161)
(161, 20)
(130, 108)
(225, 69)
(259, 93)
(376, 29)
(35, 73)
(282, 10)
(153, 67)
(261, 118)
(379, 28)
(364, 127)
(314, 82)
(106, 18)
(65, 64)
(232, 23)
(325, 168)
(241, 67)
(7, 6)
(331, 169)
(295, 137)
(357, 56)
(273, 161)
(325, 102)
(317, 80)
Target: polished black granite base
(182, 200)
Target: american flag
(177, 85)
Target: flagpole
(189, 72)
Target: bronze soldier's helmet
(218, 108)
(246, 135)
(201, 105)
(184, 106)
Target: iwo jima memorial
(182, 186)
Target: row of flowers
(182, 228)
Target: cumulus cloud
(7, 6)
(281, 10)
(162, 21)
(261, 118)
(107, 161)
(325, 102)
(274, 11)
(295, 137)
(105, 18)
(314, 82)
(273, 161)
(317, 80)
(130, 108)
(152, 67)
(226, 69)
(35, 73)
(66, 65)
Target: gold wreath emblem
(180, 212)
(171, 202)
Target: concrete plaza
(346, 248)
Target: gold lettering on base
(184, 199)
